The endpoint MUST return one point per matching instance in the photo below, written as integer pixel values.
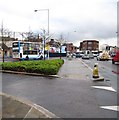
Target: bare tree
(5, 32)
(8, 33)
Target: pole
(48, 22)
(48, 31)
(44, 30)
(48, 16)
(2, 42)
(44, 43)
(2, 49)
(60, 51)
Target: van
(115, 58)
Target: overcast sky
(76, 20)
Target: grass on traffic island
(46, 67)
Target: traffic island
(98, 79)
(13, 107)
(44, 67)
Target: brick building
(71, 48)
(6, 44)
(89, 45)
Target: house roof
(3, 46)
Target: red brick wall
(89, 45)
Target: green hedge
(46, 67)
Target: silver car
(86, 56)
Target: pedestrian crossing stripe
(114, 108)
(105, 88)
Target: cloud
(89, 18)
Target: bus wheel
(27, 57)
(41, 57)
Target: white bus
(26, 51)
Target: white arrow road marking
(105, 88)
(114, 108)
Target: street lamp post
(2, 48)
(44, 30)
(44, 43)
(48, 16)
(2, 42)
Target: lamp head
(35, 10)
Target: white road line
(105, 88)
(87, 65)
(28, 113)
(114, 108)
(99, 87)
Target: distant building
(68, 47)
(7, 41)
(53, 43)
(6, 44)
(103, 47)
(71, 48)
(89, 45)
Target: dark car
(78, 55)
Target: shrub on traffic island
(46, 67)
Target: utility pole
(44, 43)
(2, 42)
(44, 38)
(48, 16)
(61, 39)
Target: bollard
(95, 71)
(96, 76)
(70, 57)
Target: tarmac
(13, 107)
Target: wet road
(106, 69)
(67, 97)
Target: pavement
(72, 69)
(13, 107)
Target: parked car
(74, 55)
(85, 56)
(115, 58)
(95, 53)
(78, 55)
(91, 56)
(69, 55)
(112, 54)
(103, 56)
(81, 53)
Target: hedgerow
(46, 67)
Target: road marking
(86, 65)
(115, 72)
(114, 108)
(28, 113)
(105, 88)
